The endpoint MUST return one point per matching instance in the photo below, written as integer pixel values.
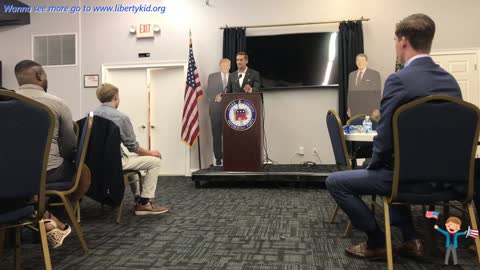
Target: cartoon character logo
(240, 114)
(451, 233)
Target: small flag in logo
(472, 233)
(432, 214)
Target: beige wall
(104, 39)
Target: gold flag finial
(190, 37)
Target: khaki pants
(151, 165)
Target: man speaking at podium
(244, 80)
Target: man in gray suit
(217, 83)
(244, 79)
(364, 89)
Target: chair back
(27, 132)
(358, 120)
(104, 159)
(435, 140)
(82, 150)
(337, 138)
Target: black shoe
(218, 162)
(136, 199)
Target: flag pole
(198, 138)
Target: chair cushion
(19, 213)
(423, 192)
(83, 184)
(59, 186)
(442, 196)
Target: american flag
(193, 91)
(432, 214)
(472, 233)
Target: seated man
(33, 84)
(420, 77)
(107, 94)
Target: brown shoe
(412, 248)
(361, 251)
(149, 209)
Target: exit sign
(145, 31)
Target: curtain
(350, 43)
(234, 41)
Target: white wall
(104, 39)
(16, 41)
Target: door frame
(106, 68)
(475, 51)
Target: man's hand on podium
(218, 98)
(247, 88)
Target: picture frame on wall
(91, 81)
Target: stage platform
(281, 172)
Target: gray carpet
(248, 226)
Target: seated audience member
(33, 83)
(148, 160)
(420, 77)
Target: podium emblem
(240, 114)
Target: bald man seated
(33, 84)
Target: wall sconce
(132, 29)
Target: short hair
(224, 60)
(419, 29)
(106, 92)
(455, 220)
(25, 65)
(362, 55)
(244, 54)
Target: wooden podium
(242, 132)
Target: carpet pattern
(234, 226)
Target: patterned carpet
(244, 226)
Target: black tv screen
(294, 60)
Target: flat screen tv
(294, 60)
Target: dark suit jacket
(104, 160)
(365, 96)
(370, 81)
(214, 87)
(420, 79)
(252, 77)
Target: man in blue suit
(420, 77)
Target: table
(361, 137)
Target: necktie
(224, 80)
(359, 77)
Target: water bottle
(367, 124)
